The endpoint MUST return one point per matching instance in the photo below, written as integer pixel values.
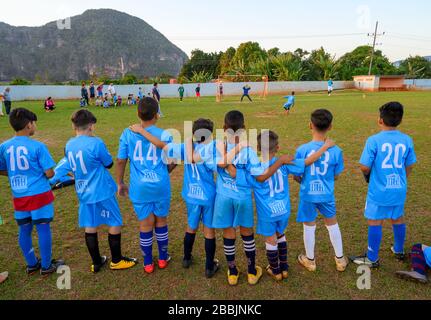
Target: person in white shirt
(111, 90)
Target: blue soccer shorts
(233, 213)
(41, 215)
(308, 211)
(197, 213)
(105, 212)
(287, 106)
(159, 209)
(375, 212)
(268, 229)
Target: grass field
(355, 120)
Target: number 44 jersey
(317, 184)
(388, 154)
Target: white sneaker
(308, 264)
(341, 264)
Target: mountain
(102, 42)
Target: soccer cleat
(187, 262)
(4, 276)
(232, 279)
(211, 273)
(254, 279)
(399, 256)
(341, 264)
(412, 276)
(125, 263)
(308, 264)
(95, 268)
(285, 274)
(364, 261)
(163, 264)
(52, 268)
(33, 269)
(149, 268)
(276, 277)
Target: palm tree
(287, 67)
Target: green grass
(355, 120)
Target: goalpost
(220, 93)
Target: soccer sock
(45, 244)
(309, 240)
(210, 249)
(418, 259)
(162, 237)
(374, 240)
(93, 247)
(272, 255)
(229, 252)
(250, 252)
(399, 237)
(282, 253)
(189, 240)
(26, 244)
(115, 246)
(146, 240)
(336, 239)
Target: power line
(281, 37)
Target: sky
(337, 25)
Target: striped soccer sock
(162, 236)
(146, 241)
(250, 252)
(229, 251)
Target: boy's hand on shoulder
(287, 159)
(329, 143)
(123, 190)
(136, 128)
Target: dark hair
(321, 119)
(268, 140)
(155, 83)
(203, 129)
(234, 120)
(148, 109)
(19, 118)
(392, 114)
(293, 93)
(82, 119)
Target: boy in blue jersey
(420, 260)
(386, 162)
(290, 103)
(28, 165)
(234, 204)
(273, 202)
(150, 186)
(317, 191)
(89, 160)
(199, 187)
(330, 87)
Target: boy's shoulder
(382, 135)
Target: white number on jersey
(276, 186)
(400, 150)
(152, 154)
(195, 172)
(79, 156)
(18, 159)
(137, 154)
(325, 163)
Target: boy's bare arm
(3, 173)
(409, 171)
(284, 159)
(136, 128)
(365, 170)
(316, 156)
(228, 157)
(119, 174)
(232, 170)
(49, 173)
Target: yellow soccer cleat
(254, 279)
(276, 277)
(125, 263)
(232, 279)
(308, 264)
(341, 264)
(285, 274)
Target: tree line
(300, 65)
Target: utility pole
(375, 35)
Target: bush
(19, 82)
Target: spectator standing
(7, 100)
(92, 91)
(84, 93)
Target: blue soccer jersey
(247, 163)
(89, 158)
(26, 161)
(388, 154)
(318, 180)
(427, 254)
(290, 100)
(272, 196)
(199, 186)
(149, 176)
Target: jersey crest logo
(393, 181)
(278, 208)
(196, 192)
(230, 184)
(18, 183)
(81, 186)
(316, 187)
(150, 176)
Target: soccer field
(355, 118)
